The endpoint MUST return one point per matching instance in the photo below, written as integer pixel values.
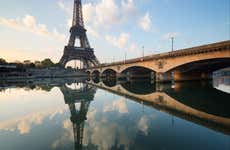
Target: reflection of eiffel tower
(78, 119)
(82, 96)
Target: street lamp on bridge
(172, 38)
(143, 52)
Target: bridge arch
(193, 59)
(143, 65)
(138, 67)
(201, 69)
(86, 63)
(138, 72)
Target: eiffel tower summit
(83, 52)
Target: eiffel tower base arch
(86, 55)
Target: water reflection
(102, 120)
(201, 106)
(139, 87)
(83, 96)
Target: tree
(47, 63)
(2, 61)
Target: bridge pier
(163, 77)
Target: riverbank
(41, 73)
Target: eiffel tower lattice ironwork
(84, 52)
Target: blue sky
(32, 29)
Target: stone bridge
(186, 64)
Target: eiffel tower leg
(72, 40)
(63, 61)
(85, 63)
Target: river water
(69, 114)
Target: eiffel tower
(84, 52)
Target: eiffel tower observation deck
(83, 52)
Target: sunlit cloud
(29, 24)
(120, 41)
(68, 135)
(143, 125)
(118, 105)
(145, 22)
(24, 124)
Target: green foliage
(46, 63)
(2, 61)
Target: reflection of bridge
(188, 64)
(164, 102)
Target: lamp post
(172, 73)
(172, 38)
(143, 52)
(125, 57)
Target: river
(72, 114)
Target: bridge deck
(225, 45)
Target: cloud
(107, 13)
(120, 41)
(63, 6)
(134, 49)
(29, 21)
(92, 31)
(23, 124)
(29, 24)
(143, 125)
(145, 22)
(119, 105)
(66, 137)
(128, 6)
(103, 14)
(170, 35)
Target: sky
(35, 30)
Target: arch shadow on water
(201, 96)
(140, 87)
(110, 82)
(109, 73)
